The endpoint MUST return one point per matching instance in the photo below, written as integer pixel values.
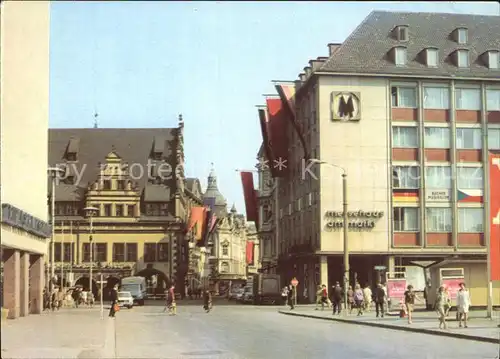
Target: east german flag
(494, 164)
(196, 222)
(287, 92)
(278, 139)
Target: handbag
(116, 307)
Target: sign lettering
(18, 218)
(358, 220)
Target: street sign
(294, 282)
(380, 267)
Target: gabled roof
(366, 49)
(132, 145)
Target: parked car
(125, 299)
(235, 293)
(247, 296)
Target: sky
(140, 64)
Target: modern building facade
(409, 108)
(134, 178)
(24, 112)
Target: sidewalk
(68, 333)
(479, 328)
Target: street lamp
(345, 226)
(53, 172)
(90, 212)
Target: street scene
(175, 184)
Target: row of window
(437, 177)
(407, 219)
(122, 252)
(438, 98)
(121, 210)
(440, 137)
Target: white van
(136, 286)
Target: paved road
(237, 332)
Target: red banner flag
(197, 221)
(265, 129)
(250, 196)
(250, 246)
(278, 137)
(287, 95)
(494, 163)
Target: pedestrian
(207, 301)
(324, 297)
(440, 306)
(358, 299)
(463, 304)
(171, 304)
(337, 298)
(447, 306)
(114, 301)
(319, 292)
(409, 302)
(291, 297)
(367, 297)
(284, 294)
(379, 296)
(350, 299)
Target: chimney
(302, 77)
(332, 48)
(308, 71)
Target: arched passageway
(162, 281)
(84, 282)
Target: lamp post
(345, 226)
(53, 172)
(90, 212)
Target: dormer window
(432, 57)
(494, 60)
(461, 36)
(399, 55)
(401, 33)
(462, 58)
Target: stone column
(323, 271)
(24, 284)
(37, 282)
(12, 282)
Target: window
(57, 252)
(463, 58)
(162, 252)
(400, 56)
(439, 219)
(157, 209)
(468, 99)
(404, 97)
(69, 249)
(131, 210)
(71, 157)
(406, 219)
(470, 177)
(120, 184)
(224, 267)
(469, 138)
(66, 209)
(107, 210)
(406, 177)
(101, 251)
(493, 100)
(438, 177)
(494, 138)
(86, 252)
(402, 33)
(119, 210)
(470, 220)
(149, 252)
(462, 36)
(432, 57)
(225, 250)
(404, 137)
(118, 252)
(106, 185)
(437, 98)
(131, 252)
(493, 60)
(437, 137)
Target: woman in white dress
(463, 304)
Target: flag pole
(62, 257)
(72, 245)
(284, 81)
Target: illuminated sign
(358, 220)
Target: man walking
(379, 300)
(337, 298)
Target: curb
(400, 328)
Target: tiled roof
(366, 49)
(133, 145)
